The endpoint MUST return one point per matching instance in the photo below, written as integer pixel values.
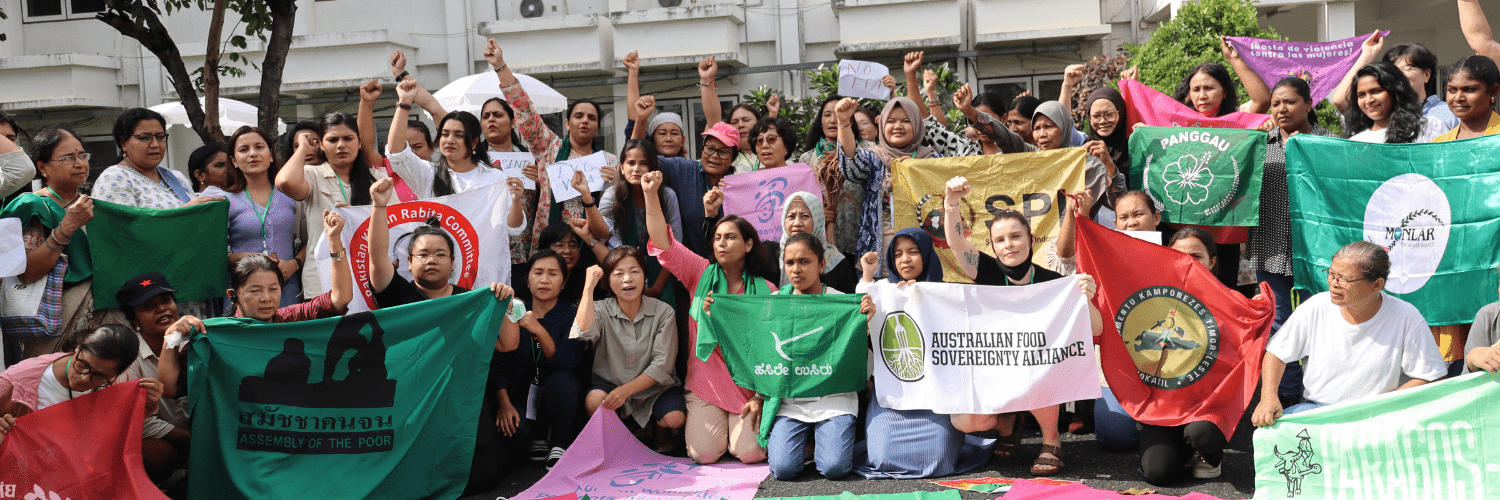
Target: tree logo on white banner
(902, 348)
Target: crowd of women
(609, 287)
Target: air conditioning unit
(669, 3)
(533, 8)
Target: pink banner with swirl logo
(757, 196)
(607, 463)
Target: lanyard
(341, 189)
(263, 216)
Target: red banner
(1178, 347)
(89, 447)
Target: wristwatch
(337, 256)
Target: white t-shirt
(1346, 362)
(50, 392)
(1431, 129)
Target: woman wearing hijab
(900, 137)
(908, 444)
(1106, 111)
(802, 212)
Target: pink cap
(724, 132)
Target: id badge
(531, 401)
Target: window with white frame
(1044, 87)
(60, 10)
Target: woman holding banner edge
(1011, 240)
(721, 417)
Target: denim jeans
(1114, 428)
(787, 446)
(1301, 407)
(1291, 379)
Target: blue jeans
(787, 446)
(1301, 407)
(1291, 379)
(1114, 428)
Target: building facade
(60, 65)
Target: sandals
(1006, 445)
(1056, 464)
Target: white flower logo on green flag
(1187, 180)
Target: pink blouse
(710, 379)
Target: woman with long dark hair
(622, 211)
(1383, 108)
(722, 416)
(209, 166)
(262, 220)
(845, 196)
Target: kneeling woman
(829, 418)
(637, 344)
(1012, 265)
(909, 444)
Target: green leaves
(1192, 38)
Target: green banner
(789, 346)
(188, 245)
(1439, 440)
(1207, 176)
(380, 404)
(1432, 206)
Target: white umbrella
(470, 92)
(232, 114)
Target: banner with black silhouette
(954, 348)
(378, 404)
(1433, 441)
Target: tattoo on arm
(970, 258)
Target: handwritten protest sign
(560, 174)
(512, 163)
(862, 79)
(757, 196)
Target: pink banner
(1027, 490)
(757, 196)
(607, 463)
(1146, 105)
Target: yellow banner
(1025, 182)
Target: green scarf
(824, 147)
(557, 207)
(50, 214)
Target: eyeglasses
(767, 139)
(560, 246)
(83, 157)
(1409, 68)
(147, 138)
(1336, 279)
(717, 153)
(83, 368)
(1110, 115)
(436, 257)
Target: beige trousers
(710, 431)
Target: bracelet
(48, 242)
(953, 208)
(402, 76)
(705, 84)
(653, 213)
(502, 66)
(934, 103)
(593, 204)
(53, 236)
(379, 206)
(404, 106)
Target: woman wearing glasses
(51, 219)
(97, 359)
(140, 180)
(692, 179)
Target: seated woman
(829, 418)
(802, 213)
(564, 365)
(637, 345)
(909, 444)
(576, 244)
(96, 359)
(1358, 340)
(1012, 265)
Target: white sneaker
(1202, 470)
(556, 455)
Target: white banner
(955, 348)
(474, 219)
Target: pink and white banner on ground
(757, 196)
(607, 463)
(1027, 490)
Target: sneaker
(538, 450)
(1202, 470)
(552, 458)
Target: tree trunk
(283, 18)
(123, 17)
(211, 71)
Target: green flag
(788, 346)
(1439, 440)
(1432, 206)
(188, 245)
(380, 404)
(1208, 176)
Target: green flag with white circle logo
(1206, 176)
(1431, 206)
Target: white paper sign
(1151, 236)
(12, 250)
(862, 79)
(560, 174)
(512, 164)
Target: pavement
(1086, 462)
